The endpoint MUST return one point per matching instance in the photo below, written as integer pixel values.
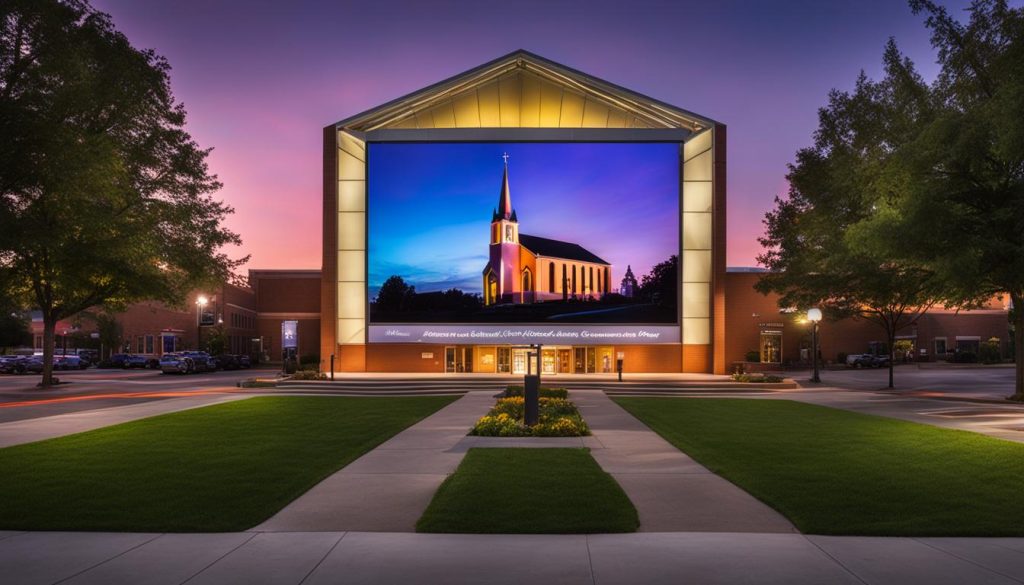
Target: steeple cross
(505, 156)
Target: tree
(963, 213)
(216, 341)
(109, 330)
(394, 294)
(14, 330)
(105, 199)
(822, 243)
(658, 286)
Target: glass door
(458, 359)
(771, 347)
(518, 361)
(547, 361)
(564, 361)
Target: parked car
(866, 360)
(202, 361)
(244, 361)
(226, 361)
(114, 361)
(34, 364)
(69, 362)
(12, 364)
(91, 355)
(176, 363)
(133, 361)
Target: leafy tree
(395, 294)
(14, 330)
(963, 213)
(105, 199)
(821, 245)
(658, 286)
(216, 340)
(110, 332)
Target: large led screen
(523, 242)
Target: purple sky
(260, 79)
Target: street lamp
(814, 316)
(200, 303)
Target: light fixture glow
(814, 315)
(201, 301)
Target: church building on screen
(528, 269)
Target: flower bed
(557, 418)
(544, 392)
(757, 378)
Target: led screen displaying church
(621, 203)
(528, 269)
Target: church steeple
(505, 210)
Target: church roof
(559, 249)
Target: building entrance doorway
(458, 359)
(564, 361)
(548, 360)
(519, 359)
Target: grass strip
(219, 468)
(837, 472)
(529, 491)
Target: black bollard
(531, 398)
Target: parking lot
(985, 382)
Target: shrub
(988, 352)
(544, 392)
(753, 356)
(841, 357)
(310, 359)
(756, 378)
(965, 357)
(308, 375)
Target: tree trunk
(892, 357)
(1018, 345)
(49, 329)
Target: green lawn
(219, 468)
(529, 491)
(836, 472)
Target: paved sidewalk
(671, 491)
(388, 488)
(311, 558)
(49, 427)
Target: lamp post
(200, 303)
(64, 342)
(814, 316)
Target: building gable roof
(559, 249)
(524, 90)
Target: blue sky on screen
(430, 205)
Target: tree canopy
(105, 198)
(913, 192)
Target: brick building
(754, 323)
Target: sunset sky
(430, 206)
(260, 79)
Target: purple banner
(524, 334)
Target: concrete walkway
(388, 488)
(671, 491)
(310, 558)
(38, 429)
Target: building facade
(759, 331)
(524, 97)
